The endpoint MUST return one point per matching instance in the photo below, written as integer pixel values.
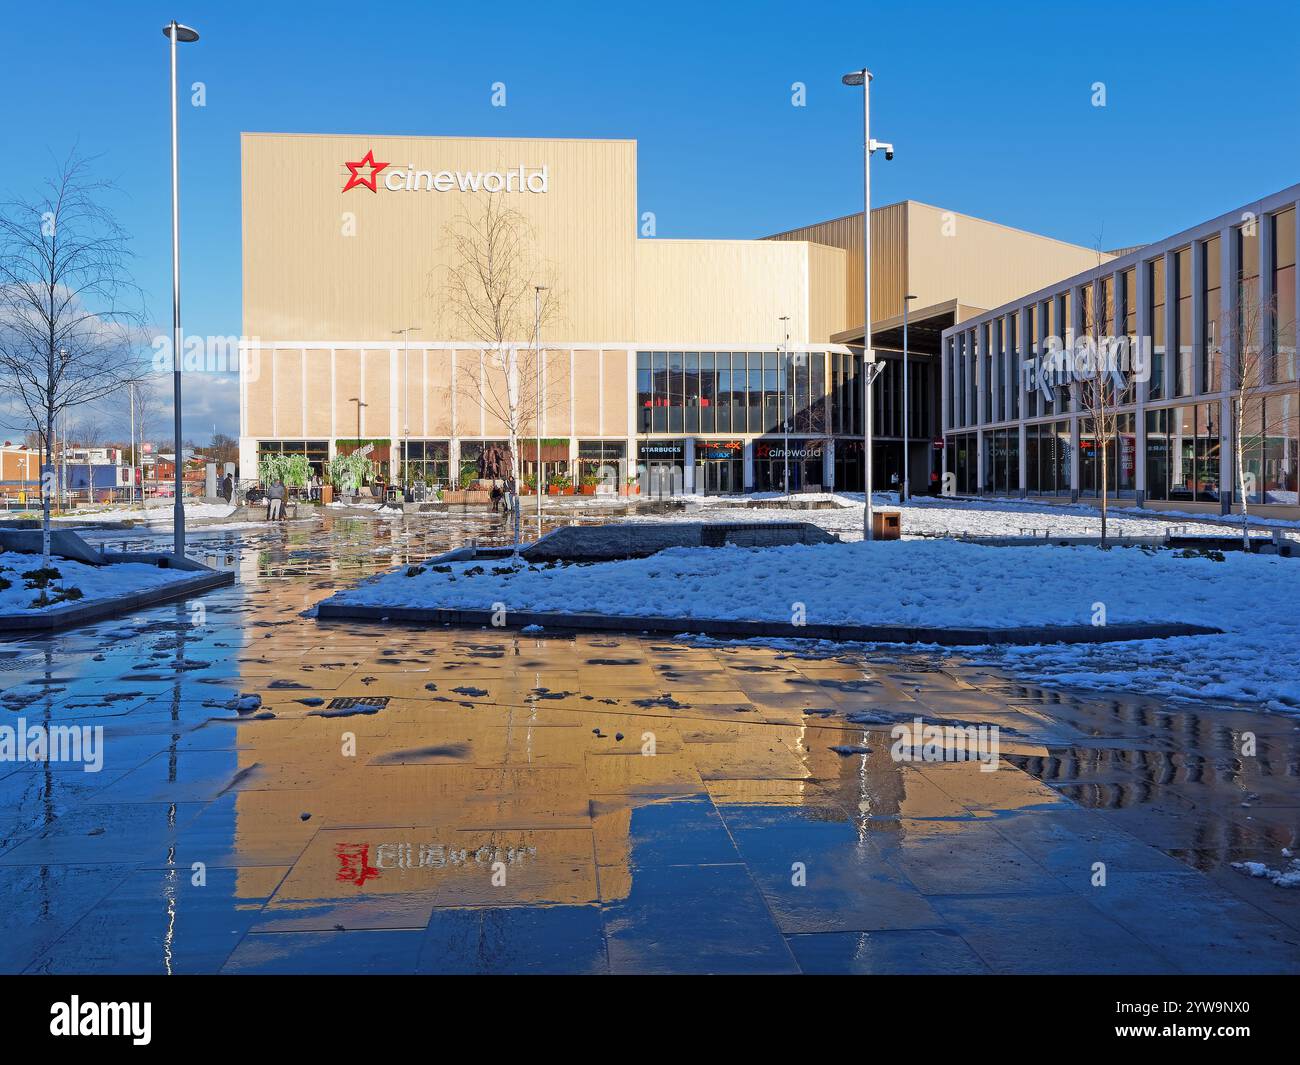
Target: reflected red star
(368, 160)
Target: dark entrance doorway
(720, 467)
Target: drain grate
(347, 702)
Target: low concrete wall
(596, 543)
(946, 637)
(63, 543)
(72, 614)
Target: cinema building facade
(1190, 305)
(672, 357)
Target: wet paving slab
(469, 801)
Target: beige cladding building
(668, 354)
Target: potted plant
(529, 485)
(560, 485)
(633, 486)
(589, 483)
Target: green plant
(560, 481)
(41, 578)
(530, 481)
(346, 472)
(590, 481)
(293, 470)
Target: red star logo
(368, 160)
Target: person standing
(275, 501)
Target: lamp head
(184, 34)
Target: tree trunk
(1105, 488)
(45, 487)
(1241, 475)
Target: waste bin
(886, 524)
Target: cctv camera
(889, 153)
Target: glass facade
(1210, 350)
(738, 391)
(1002, 461)
(1176, 312)
(1284, 296)
(426, 461)
(1047, 458)
(317, 452)
(1184, 382)
(1182, 453)
(1156, 301)
(1121, 458)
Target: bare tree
(1097, 371)
(1251, 376)
(488, 291)
(68, 308)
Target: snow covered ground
(927, 516)
(94, 582)
(1255, 599)
(161, 515)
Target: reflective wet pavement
(547, 803)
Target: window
(1182, 453)
(1156, 301)
(644, 391)
(602, 460)
(1284, 305)
(1247, 332)
(1128, 308)
(1183, 336)
(1210, 351)
(317, 451)
(426, 462)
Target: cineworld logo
(365, 173)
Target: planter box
(588, 489)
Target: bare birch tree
(1100, 379)
(69, 310)
(487, 291)
(1251, 378)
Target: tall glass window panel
(708, 394)
(1183, 379)
(1128, 308)
(1157, 454)
(1284, 305)
(1156, 301)
(754, 362)
(1210, 352)
(1251, 317)
(677, 387)
(1281, 433)
(662, 388)
(691, 402)
(644, 391)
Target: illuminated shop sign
(719, 449)
(811, 449)
(366, 173)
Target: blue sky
(990, 106)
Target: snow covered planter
(1254, 599)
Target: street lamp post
(785, 403)
(870, 367)
(907, 403)
(537, 414)
(405, 333)
(176, 34)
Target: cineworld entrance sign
(1084, 359)
(365, 173)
